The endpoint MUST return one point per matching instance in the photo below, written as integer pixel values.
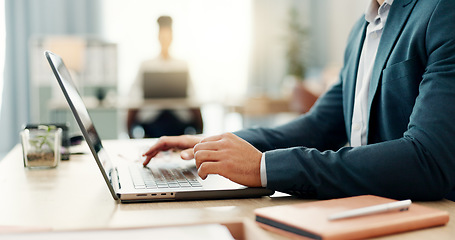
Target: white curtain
(24, 19)
(2, 47)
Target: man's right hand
(184, 143)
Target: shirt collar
(373, 9)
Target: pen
(399, 205)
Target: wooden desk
(74, 196)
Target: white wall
(270, 22)
(228, 43)
(342, 16)
(328, 22)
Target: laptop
(167, 178)
(158, 85)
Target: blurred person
(385, 128)
(170, 122)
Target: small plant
(296, 41)
(39, 146)
(43, 141)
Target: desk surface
(74, 196)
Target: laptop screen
(165, 85)
(82, 116)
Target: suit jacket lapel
(398, 15)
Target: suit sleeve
(420, 165)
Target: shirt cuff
(263, 171)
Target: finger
(209, 168)
(207, 146)
(155, 149)
(163, 144)
(187, 154)
(166, 143)
(214, 143)
(205, 156)
(149, 155)
(212, 138)
(179, 142)
(147, 160)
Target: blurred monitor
(165, 85)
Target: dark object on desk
(65, 154)
(76, 140)
(311, 219)
(100, 94)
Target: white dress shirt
(376, 16)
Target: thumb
(187, 154)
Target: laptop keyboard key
(188, 175)
(152, 178)
(196, 184)
(174, 185)
(185, 184)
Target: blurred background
(251, 62)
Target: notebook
(310, 220)
(117, 173)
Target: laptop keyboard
(148, 178)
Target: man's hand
(230, 156)
(184, 143)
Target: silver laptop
(165, 85)
(164, 179)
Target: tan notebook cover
(310, 220)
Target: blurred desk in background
(260, 106)
(263, 111)
(162, 103)
(109, 116)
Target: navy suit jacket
(411, 128)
